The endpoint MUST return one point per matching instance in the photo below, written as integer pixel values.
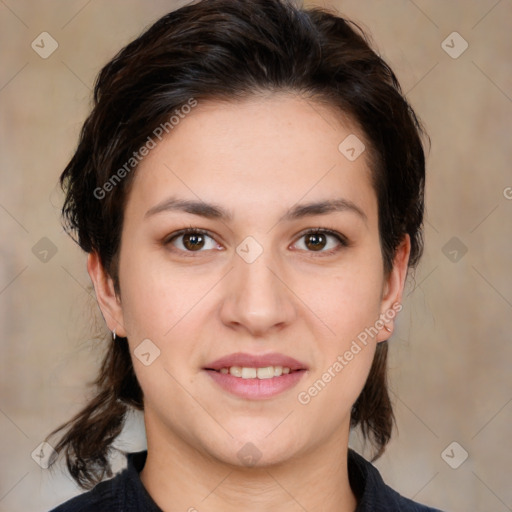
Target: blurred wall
(450, 358)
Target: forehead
(273, 150)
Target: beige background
(451, 355)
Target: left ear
(393, 289)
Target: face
(281, 268)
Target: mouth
(256, 377)
(265, 372)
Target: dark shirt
(125, 492)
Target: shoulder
(123, 493)
(403, 504)
(373, 493)
(105, 496)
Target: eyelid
(184, 231)
(176, 234)
(342, 239)
(326, 231)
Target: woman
(249, 190)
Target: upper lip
(255, 361)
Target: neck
(180, 477)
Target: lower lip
(256, 389)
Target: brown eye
(315, 241)
(193, 241)
(323, 241)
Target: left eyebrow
(323, 208)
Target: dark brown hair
(229, 50)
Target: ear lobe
(393, 288)
(108, 301)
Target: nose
(257, 297)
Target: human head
(231, 51)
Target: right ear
(108, 301)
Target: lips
(256, 377)
(242, 359)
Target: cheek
(349, 304)
(350, 300)
(167, 309)
(351, 313)
(153, 303)
(350, 307)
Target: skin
(257, 159)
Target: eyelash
(342, 240)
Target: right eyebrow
(208, 210)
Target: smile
(256, 376)
(266, 372)
(255, 383)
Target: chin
(256, 448)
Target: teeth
(256, 373)
(236, 371)
(249, 373)
(266, 373)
